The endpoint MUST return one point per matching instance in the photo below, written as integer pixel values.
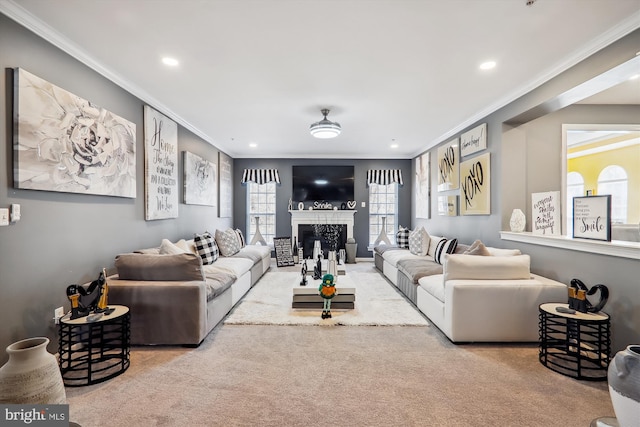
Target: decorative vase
(31, 375)
(624, 386)
(517, 221)
(257, 237)
(332, 265)
(294, 250)
(352, 249)
(317, 250)
(300, 206)
(382, 238)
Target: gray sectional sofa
(491, 297)
(174, 298)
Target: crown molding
(624, 28)
(41, 29)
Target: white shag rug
(377, 304)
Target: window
(613, 180)
(261, 203)
(383, 202)
(575, 188)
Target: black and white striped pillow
(206, 247)
(444, 246)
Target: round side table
(94, 351)
(576, 345)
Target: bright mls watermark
(34, 415)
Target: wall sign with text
(449, 166)
(545, 213)
(475, 186)
(592, 217)
(473, 141)
(160, 165)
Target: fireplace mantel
(303, 217)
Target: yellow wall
(628, 158)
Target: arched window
(575, 188)
(613, 180)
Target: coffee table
(307, 297)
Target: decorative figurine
(303, 281)
(327, 291)
(94, 298)
(317, 270)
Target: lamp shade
(325, 128)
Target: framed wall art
(68, 144)
(475, 186)
(422, 189)
(473, 141)
(200, 180)
(545, 213)
(449, 166)
(225, 185)
(160, 165)
(448, 205)
(592, 217)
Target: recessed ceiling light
(172, 62)
(634, 77)
(488, 65)
(394, 145)
(253, 145)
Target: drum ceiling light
(325, 128)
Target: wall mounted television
(323, 183)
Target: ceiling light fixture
(325, 128)
(488, 65)
(172, 62)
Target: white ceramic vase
(624, 386)
(517, 221)
(31, 375)
(332, 265)
(317, 250)
(382, 238)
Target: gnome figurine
(327, 291)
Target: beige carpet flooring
(252, 375)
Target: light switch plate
(4, 216)
(363, 204)
(15, 212)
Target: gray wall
(68, 238)
(527, 158)
(284, 191)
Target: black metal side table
(576, 345)
(94, 351)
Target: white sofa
(473, 298)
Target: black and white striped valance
(260, 176)
(384, 176)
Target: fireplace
(302, 226)
(307, 237)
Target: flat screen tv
(323, 183)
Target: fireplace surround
(302, 222)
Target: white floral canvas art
(200, 183)
(68, 144)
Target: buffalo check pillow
(402, 237)
(206, 247)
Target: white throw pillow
(228, 242)
(504, 252)
(168, 248)
(469, 267)
(419, 242)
